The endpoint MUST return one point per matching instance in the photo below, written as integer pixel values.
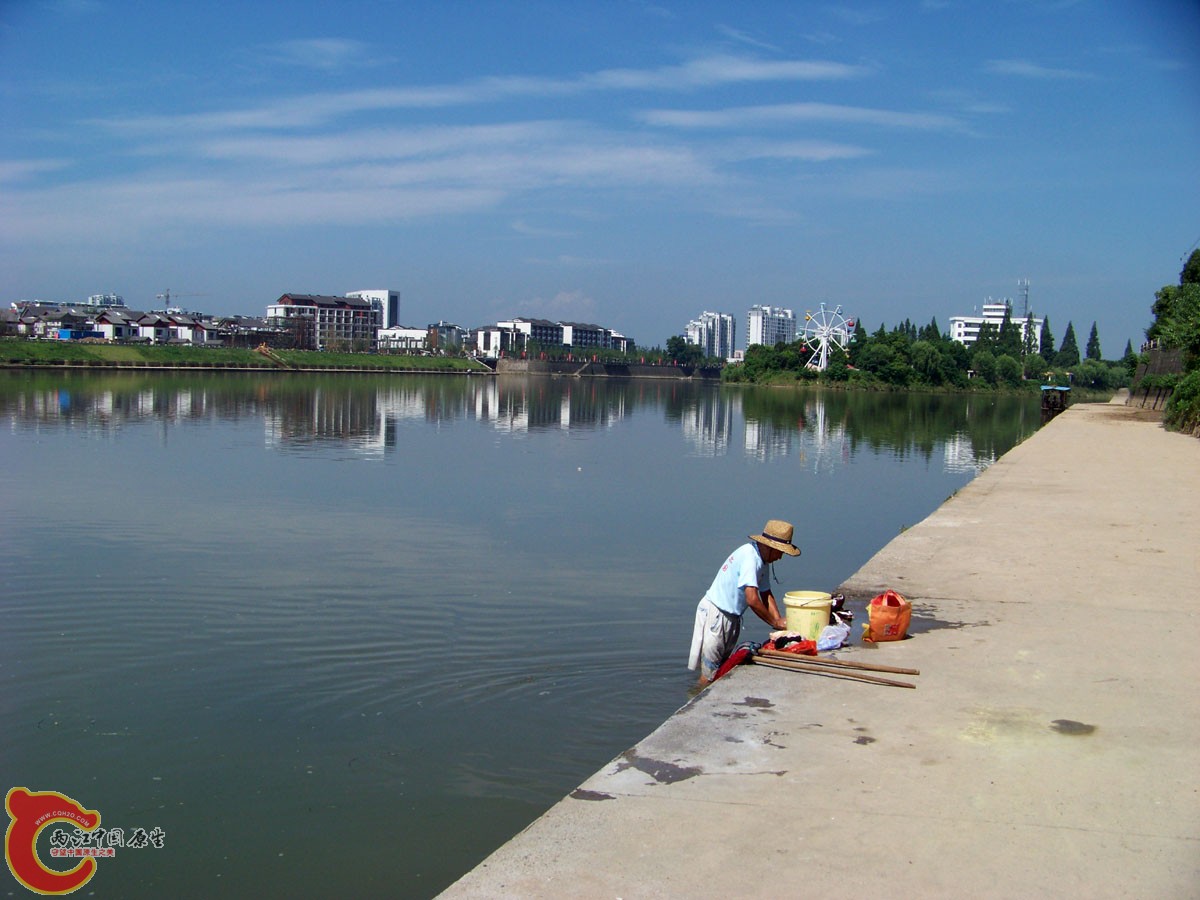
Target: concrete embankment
(585, 369)
(1050, 748)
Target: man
(744, 581)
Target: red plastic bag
(804, 648)
(889, 614)
(791, 642)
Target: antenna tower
(1023, 285)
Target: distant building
(514, 336)
(327, 323)
(714, 333)
(965, 329)
(117, 324)
(402, 339)
(387, 302)
(770, 325)
(106, 300)
(250, 331)
(446, 336)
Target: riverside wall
(509, 366)
(1048, 749)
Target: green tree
(897, 372)
(682, 352)
(1028, 338)
(928, 362)
(1093, 344)
(1035, 367)
(989, 337)
(1094, 373)
(859, 341)
(1008, 370)
(930, 332)
(1191, 269)
(1068, 353)
(1177, 325)
(984, 364)
(1129, 360)
(1177, 316)
(874, 356)
(1046, 342)
(837, 369)
(1009, 339)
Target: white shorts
(714, 638)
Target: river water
(344, 635)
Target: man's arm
(765, 608)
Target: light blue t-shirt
(744, 568)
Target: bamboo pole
(847, 674)
(842, 663)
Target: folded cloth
(790, 635)
(791, 642)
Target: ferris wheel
(823, 331)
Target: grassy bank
(21, 352)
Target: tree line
(1176, 326)
(906, 355)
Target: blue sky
(627, 163)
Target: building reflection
(708, 423)
(367, 414)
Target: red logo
(31, 811)
(82, 839)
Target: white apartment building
(327, 323)
(386, 302)
(513, 336)
(714, 333)
(965, 329)
(770, 325)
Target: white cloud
(382, 143)
(710, 71)
(316, 109)
(133, 207)
(741, 37)
(359, 178)
(798, 112)
(805, 150)
(322, 53)
(21, 169)
(1023, 68)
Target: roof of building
(324, 300)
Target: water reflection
(365, 414)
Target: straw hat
(777, 534)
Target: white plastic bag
(834, 635)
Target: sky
(626, 163)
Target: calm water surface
(344, 635)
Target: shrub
(1183, 409)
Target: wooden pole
(827, 672)
(842, 663)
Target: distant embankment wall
(1148, 390)
(603, 370)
